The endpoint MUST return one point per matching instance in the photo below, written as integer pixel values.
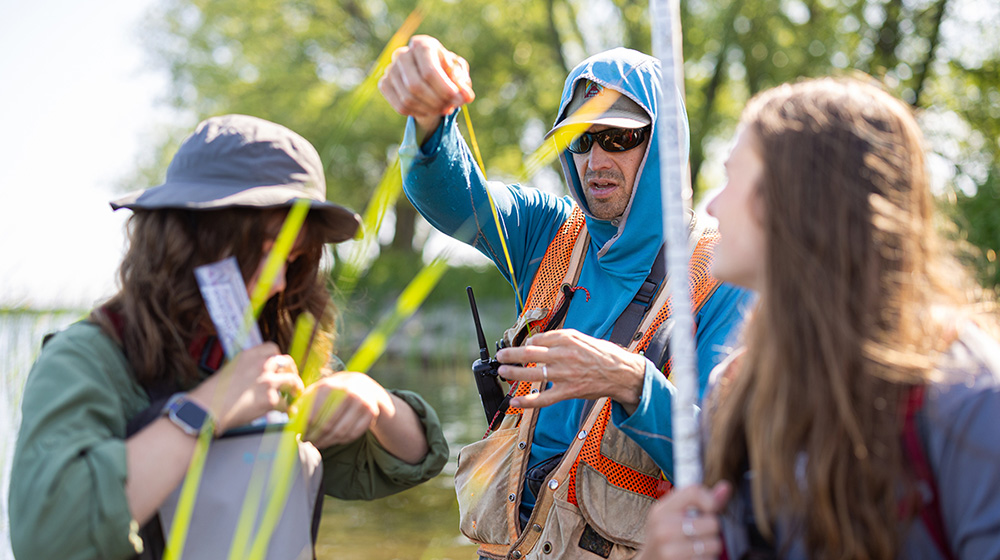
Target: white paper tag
(228, 304)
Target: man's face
(608, 178)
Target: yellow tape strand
(278, 255)
(189, 490)
(279, 483)
(551, 148)
(385, 196)
(416, 292)
(366, 90)
(493, 207)
(309, 364)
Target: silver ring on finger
(545, 375)
(699, 547)
(687, 527)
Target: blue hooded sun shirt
(445, 185)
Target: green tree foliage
(297, 61)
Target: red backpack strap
(930, 512)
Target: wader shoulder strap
(561, 252)
(930, 512)
(652, 336)
(551, 288)
(630, 318)
(627, 328)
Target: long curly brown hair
(845, 323)
(162, 308)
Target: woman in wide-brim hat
(113, 405)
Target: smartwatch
(188, 415)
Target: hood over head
(629, 243)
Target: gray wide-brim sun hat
(238, 161)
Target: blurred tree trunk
(406, 223)
(710, 92)
(889, 35)
(636, 20)
(922, 69)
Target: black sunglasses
(610, 140)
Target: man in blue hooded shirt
(578, 456)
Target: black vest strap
(629, 320)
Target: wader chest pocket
(233, 465)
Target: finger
(279, 388)
(521, 373)
(541, 399)
(280, 363)
(431, 64)
(551, 338)
(327, 410)
(680, 548)
(404, 101)
(709, 547)
(422, 83)
(388, 91)
(682, 501)
(263, 351)
(698, 526)
(404, 88)
(321, 422)
(721, 493)
(526, 355)
(458, 70)
(292, 385)
(345, 426)
(277, 400)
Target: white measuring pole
(674, 179)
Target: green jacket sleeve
(364, 470)
(67, 491)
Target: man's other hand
(578, 366)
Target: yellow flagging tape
(248, 513)
(280, 481)
(189, 490)
(551, 148)
(413, 295)
(385, 196)
(278, 255)
(278, 485)
(285, 450)
(493, 207)
(366, 90)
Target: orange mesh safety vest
(552, 272)
(561, 265)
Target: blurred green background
(297, 62)
(300, 63)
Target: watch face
(191, 414)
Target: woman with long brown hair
(114, 404)
(859, 418)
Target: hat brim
(606, 120)
(342, 223)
